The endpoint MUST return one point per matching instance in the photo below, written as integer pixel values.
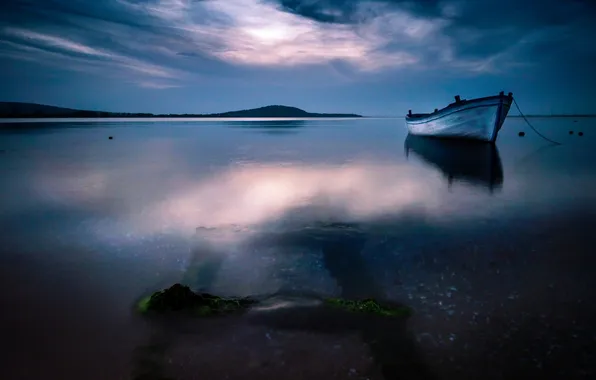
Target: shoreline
(174, 119)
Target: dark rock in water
(570, 132)
(181, 298)
(110, 137)
(370, 306)
(580, 134)
(521, 134)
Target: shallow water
(491, 247)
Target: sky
(373, 57)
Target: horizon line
(215, 114)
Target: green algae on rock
(369, 306)
(181, 298)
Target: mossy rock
(369, 306)
(181, 298)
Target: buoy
(570, 132)
(521, 134)
(580, 134)
(110, 137)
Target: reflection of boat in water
(478, 119)
(465, 161)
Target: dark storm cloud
(476, 29)
(472, 13)
(497, 24)
(349, 11)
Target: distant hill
(278, 111)
(8, 109)
(32, 110)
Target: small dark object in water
(570, 132)
(180, 298)
(521, 134)
(110, 137)
(580, 133)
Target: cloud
(170, 43)
(108, 37)
(58, 51)
(256, 196)
(471, 34)
(157, 37)
(249, 32)
(353, 11)
(156, 85)
(53, 41)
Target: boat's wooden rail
(458, 102)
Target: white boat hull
(478, 119)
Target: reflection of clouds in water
(156, 188)
(253, 195)
(153, 197)
(139, 196)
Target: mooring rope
(531, 126)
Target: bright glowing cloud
(267, 36)
(258, 33)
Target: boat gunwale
(463, 105)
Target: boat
(470, 162)
(477, 119)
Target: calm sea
(492, 247)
